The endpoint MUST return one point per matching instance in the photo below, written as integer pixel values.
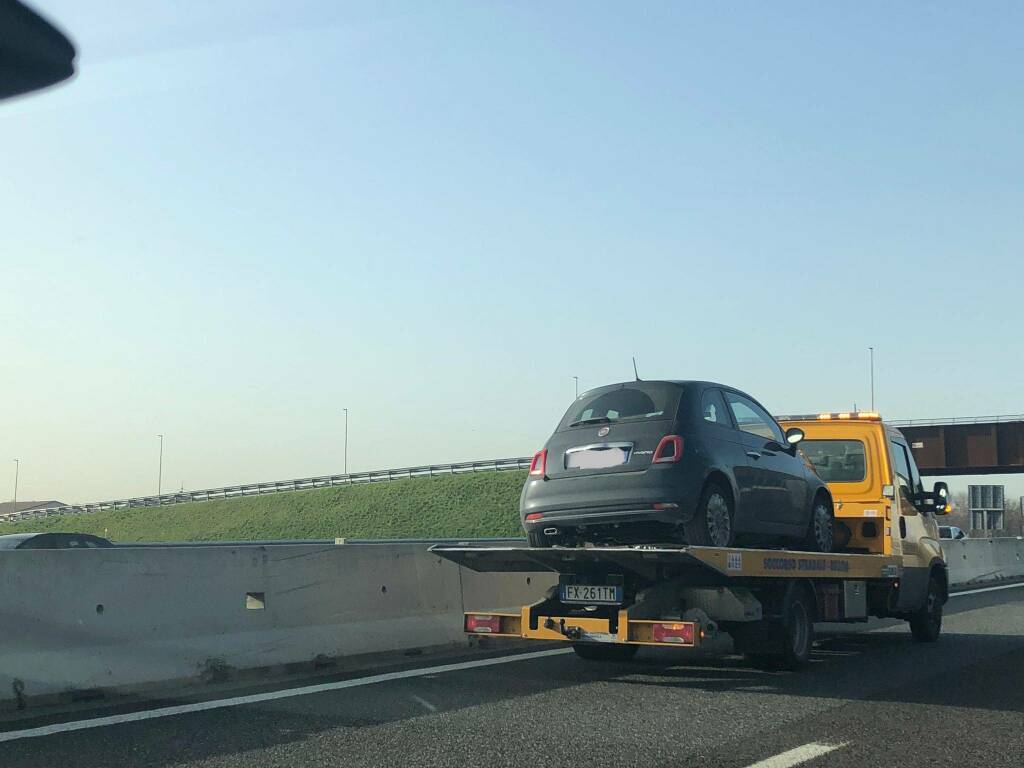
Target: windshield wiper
(591, 420)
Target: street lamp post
(160, 470)
(17, 466)
(576, 380)
(872, 351)
(346, 439)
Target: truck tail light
(484, 623)
(680, 633)
(669, 450)
(539, 465)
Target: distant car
(646, 462)
(951, 532)
(53, 541)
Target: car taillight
(670, 449)
(539, 464)
(681, 633)
(534, 516)
(484, 623)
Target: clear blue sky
(242, 217)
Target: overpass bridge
(983, 445)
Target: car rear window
(634, 401)
(837, 461)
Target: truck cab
(880, 503)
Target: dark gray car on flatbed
(674, 461)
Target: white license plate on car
(591, 594)
(596, 458)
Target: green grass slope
(476, 505)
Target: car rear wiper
(591, 420)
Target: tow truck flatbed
(610, 600)
(658, 563)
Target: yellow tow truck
(611, 600)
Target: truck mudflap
(708, 564)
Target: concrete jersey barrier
(78, 620)
(976, 561)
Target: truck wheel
(784, 644)
(797, 630)
(711, 524)
(821, 536)
(605, 651)
(926, 624)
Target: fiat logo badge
(602, 431)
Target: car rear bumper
(603, 517)
(613, 499)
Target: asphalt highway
(871, 696)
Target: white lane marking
(797, 755)
(423, 703)
(287, 693)
(986, 589)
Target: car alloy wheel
(717, 519)
(824, 536)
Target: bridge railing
(279, 486)
(956, 420)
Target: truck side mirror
(941, 495)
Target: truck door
(915, 528)
(915, 522)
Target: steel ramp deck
(655, 563)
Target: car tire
(712, 522)
(926, 624)
(605, 651)
(821, 531)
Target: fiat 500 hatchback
(648, 462)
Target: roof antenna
(634, 369)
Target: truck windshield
(837, 461)
(634, 401)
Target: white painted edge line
(797, 755)
(287, 693)
(987, 589)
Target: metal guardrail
(961, 420)
(280, 486)
(513, 541)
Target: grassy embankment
(476, 505)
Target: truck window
(915, 476)
(901, 462)
(837, 461)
